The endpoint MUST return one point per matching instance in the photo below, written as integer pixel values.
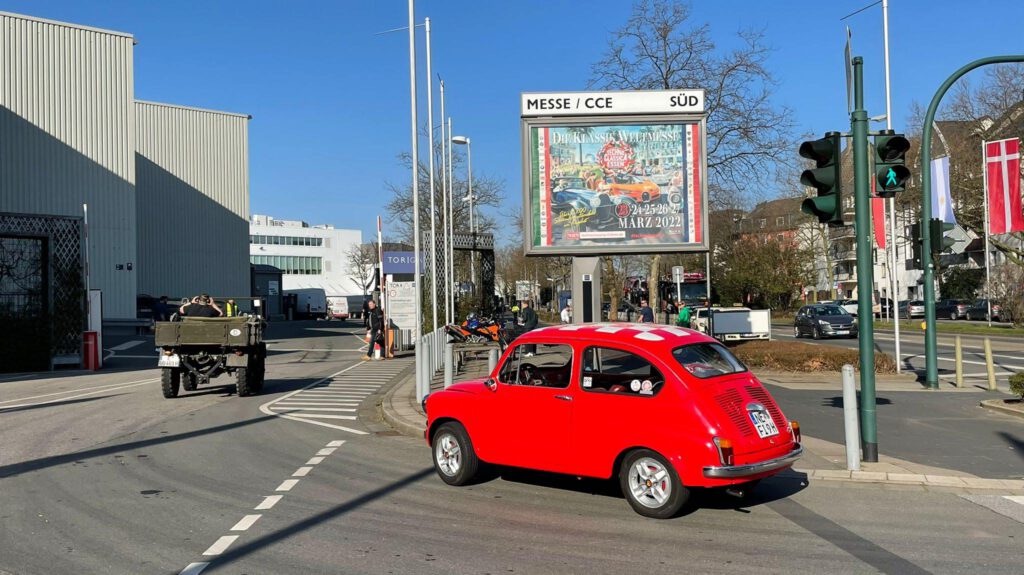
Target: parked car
(638, 188)
(850, 305)
(687, 414)
(951, 309)
(979, 310)
(911, 309)
(824, 320)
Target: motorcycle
(474, 330)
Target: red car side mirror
(491, 384)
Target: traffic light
(826, 178)
(916, 244)
(891, 173)
(938, 229)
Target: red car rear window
(707, 360)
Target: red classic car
(661, 408)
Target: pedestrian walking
(684, 315)
(567, 314)
(375, 333)
(646, 313)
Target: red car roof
(647, 334)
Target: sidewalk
(822, 460)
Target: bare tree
(361, 260)
(660, 48)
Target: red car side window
(538, 365)
(610, 370)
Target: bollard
(990, 366)
(492, 360)
(959, 354)
(449, 364)
(850, 419)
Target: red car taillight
(724, 450)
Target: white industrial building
(309, 256)
(166, 186)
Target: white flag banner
(942, 202)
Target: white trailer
(740, 324)
(310, 302)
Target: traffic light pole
(865, 281)
(930, 337)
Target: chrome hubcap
(650, 483)
(448, 454)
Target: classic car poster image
(624, 186)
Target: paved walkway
(822, 460)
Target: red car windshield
(707, 360)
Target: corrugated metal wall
(192, 185)
(67, 138)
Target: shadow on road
(6, 410)
(1015, 442)
(54, 460)
(837, 401)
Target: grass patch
(804, 357)
(964, 327)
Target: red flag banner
(1002, 164)
(878, 217)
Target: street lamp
(465, 141)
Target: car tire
(953, 316)
(455, 461)
(817, 333)
(796, 332)
(641, 473)
(170, 381)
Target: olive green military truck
(194, 350)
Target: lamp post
(421, 382)
(465, 141)
(445, 198)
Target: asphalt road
(116, 479)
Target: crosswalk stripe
(307, 409)
(327, 416)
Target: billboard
(635, 186)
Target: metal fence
(431, 354)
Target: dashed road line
(245, 523)
(127, 345)
(268, 502)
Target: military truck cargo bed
(222, 331)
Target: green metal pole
(865, 281)
(930, 337)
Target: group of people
(201, 305)
(680, 310)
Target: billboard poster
(401, 304)
(622, 185)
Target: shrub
(804, 357)
(1017, 384)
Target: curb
(921, 480)
(996, 405)
(390, 415)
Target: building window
(285, 240)
(780, 221)
(294, 265)
(762, 222)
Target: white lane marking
(305, 408)
(127, 345)
(336, 443)
(287, 485)
(314, 406)
(327, 416)
(266, 407)
(314, 460)
(3, 407)
(221, 545)
(246, 522)
(194, 568)
(268, 502)
(1015, 498)
(327, 451)
(302, 471)
(77, 389)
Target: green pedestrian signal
(891, 173)
(826, 178)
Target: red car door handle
(564, 397)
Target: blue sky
(330, 99)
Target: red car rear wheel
(651, 485)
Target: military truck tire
(243, 382)
(170, 380)
(191, 382)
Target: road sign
(678, 274)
